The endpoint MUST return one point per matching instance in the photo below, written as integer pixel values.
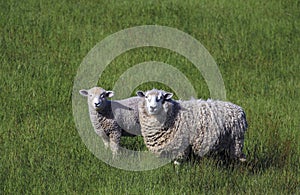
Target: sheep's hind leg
(236, 149)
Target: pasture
(254, 43)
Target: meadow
(254, 43)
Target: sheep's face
(97, 97)
(154, 100)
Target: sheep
(176, 129)
(112, 119)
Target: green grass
(42, 43)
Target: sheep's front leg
(115, 142)
(105, 138)
(181, 157)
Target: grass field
(42, 43)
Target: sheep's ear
(168, 96)
(84, 92)
(109, 94)
(140, 93)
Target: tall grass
(42, 43)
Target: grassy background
(42, 43)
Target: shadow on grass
(275, 153)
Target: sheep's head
(154, 100)
(97, 97)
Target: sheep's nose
(152, 107)
(97, 104)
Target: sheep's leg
(236, 149)
(114, 142)
(182, 155)
(180, 158)
(105, 139)
(176, 166)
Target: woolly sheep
(112, 119)
(174, 129)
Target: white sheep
(112, 119)
(174, 129)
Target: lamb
(175, 129)
(112, 119)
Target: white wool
(176, 128)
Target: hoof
(242, 158)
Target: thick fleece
(180, 127)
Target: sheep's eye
(146, 97)
(157, 99)
(102, 95)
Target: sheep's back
(126, 114)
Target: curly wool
(196, 125)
